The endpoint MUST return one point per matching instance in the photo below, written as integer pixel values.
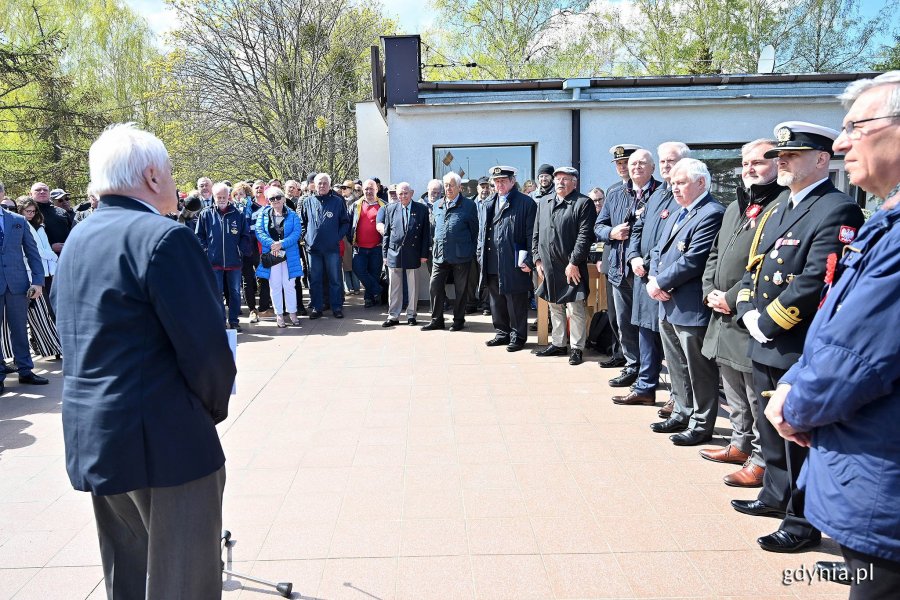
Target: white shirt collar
(694, 204)
(802, 194)
(150, 206)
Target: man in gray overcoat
(563, 234)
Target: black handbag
(269, 260)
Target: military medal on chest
(777, 278)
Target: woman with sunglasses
(278, 231)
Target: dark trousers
(15, 307)
(651, 352)
(248, 270)
(509, 312)
(874, 578)
(628, 333)
(162, 542)
(48, 284)
(439, 274)
(322, 266)
(230, 281)
(367, 264)
(613, 321)
(476, 297)
(783, 460)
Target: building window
(472, 162)
(724, 164)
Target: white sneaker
(254, 317)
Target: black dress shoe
(628, 376)
(670, 425)
(457, 325)
(757, 508)
(551, 350)
(433, 325)
(785, 541)
(411, 321)
(515, 346)
(338, 314)
(613, 363)
(301, 310)
(690, 438)
(497, 341)
(471, 310)
(10, 368)
(576, 358)
(836, 572)
(369, 303)
(532, 326)
(315, 314)
(390, 323)
(32, 379)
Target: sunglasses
(276, 198)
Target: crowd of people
(736, 296)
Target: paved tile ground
(371, 464)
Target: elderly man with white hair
(455, 239)
(148, 374)
(325, 222)
(676, 280)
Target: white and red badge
(846, 234)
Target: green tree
(266, 86)
(69, 68)
(890, 56)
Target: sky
(413, 16)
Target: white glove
(751, 321)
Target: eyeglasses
(276, 198)
(850, 128)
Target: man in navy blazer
(406, 245)
(15, 290)
(677, 264)
(147, 375)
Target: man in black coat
(646, 233)
(504, 253)
(779, 296)
(406, 246)
(613, 228)
(563, 234)
(147, 375)
(727, 341)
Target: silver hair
(453, 176)
(857, 88)
(118, 158)
(649, 155)
(323, 176)
(404, 184)
(694, 169)
(749, 146)
(680, 148)
(203, 179)
(219, 186)
(273, 191)
(433, 181)
(290, 182)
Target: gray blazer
(17, 239)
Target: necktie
(405, 217)
(681, 215)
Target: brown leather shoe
(634, 399)
(750, 476)
(666, 411)
(728, 454)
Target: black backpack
(600, 334)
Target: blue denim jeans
(233, 280)
(319, 266)
(367, 265)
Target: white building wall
(415, 132)
(372, 142)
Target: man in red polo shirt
(366, 241)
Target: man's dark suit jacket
(405, 249)
(148, 370)
(678, 261)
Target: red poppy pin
(753, 211)
(664, 214)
